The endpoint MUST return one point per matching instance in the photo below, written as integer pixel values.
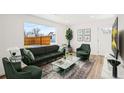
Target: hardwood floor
(96, 70)
(3, 77)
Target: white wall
(12, 32)
(100, 41)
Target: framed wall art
(87, 35)
(84, 35)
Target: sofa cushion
(37, 50)
(41, 58)
(48, 56)
(82, 52)
(35, 71)
(56, 54)
(51, 49)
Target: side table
(114, 63)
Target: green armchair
(83, 51)
(14, 70)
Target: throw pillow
(29, 54)
(61, 49)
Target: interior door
(104, 41)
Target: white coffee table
(64, 64)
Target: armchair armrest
(17, 66)
(88, 52)
(78, 49)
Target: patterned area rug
(79, 71)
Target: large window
(41, 33)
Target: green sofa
(83, 51)
(42, 54)
(14, 70)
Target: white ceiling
(72, 19)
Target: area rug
(79, 71)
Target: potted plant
(69, 36)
